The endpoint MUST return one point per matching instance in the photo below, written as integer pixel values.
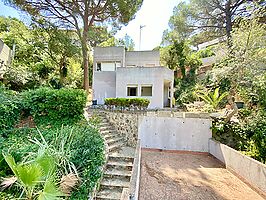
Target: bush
(9, 109)
(87, 155)
(205, 53)
(249, 136)
(48, 106)
(127, 102)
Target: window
(146, 91)
(99, 67)
(132, 91)
(107, 66)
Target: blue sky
(154, 14)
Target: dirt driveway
(180, 176)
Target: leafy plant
(50, 106)
(9, 109)
(36, 177)
(138, 103)
(212, 98)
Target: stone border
(92, 195)
(249, 170)
(135, 177)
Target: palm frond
(50, 191)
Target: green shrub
(127, 102)
(249, 136)
(205, 53)
(87, 155)
(9, 109)
(48, 106)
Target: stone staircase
(119, 165)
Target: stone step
(107, 131)
(115, 146)
(109, 136)
(114, 183)
(104, 123)
(116, 172)
(105, 127)
(118, 157)
(111, 141)
(120, 163)
(112, 193)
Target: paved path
(179, 176)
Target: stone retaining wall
(127, 122)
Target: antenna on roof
(140, 28)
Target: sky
(154, 15)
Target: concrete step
(114, 183)
(111, 194)
(115, 146)
(116, 172)
(111, 141)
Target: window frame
(146, 85)
(132, 86)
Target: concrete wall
(154, 76)
(108, 54)
(251, 170)
(171, 133)
(103, 85)
(5, 57)
(142, 58)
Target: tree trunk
(86, 68)
(85, 52)
(228, 21)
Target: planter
(239, 104)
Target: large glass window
(132, 91)
(107, 66)
(146, 90)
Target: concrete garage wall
(170, 133)
(251, 170)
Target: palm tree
(212, 98)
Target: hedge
(127, 102)
(9, 109)
(50, 105)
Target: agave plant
(36, 177)
(212, 98)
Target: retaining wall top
(162, 113)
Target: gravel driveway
(176, 176)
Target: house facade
(5, 58)
(131, 74)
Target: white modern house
(131, 74)
(5, 57)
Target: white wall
(5, 55)
(142, 58)
(154, 76)
(103, 85)
(251, 170)
(170, 133)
